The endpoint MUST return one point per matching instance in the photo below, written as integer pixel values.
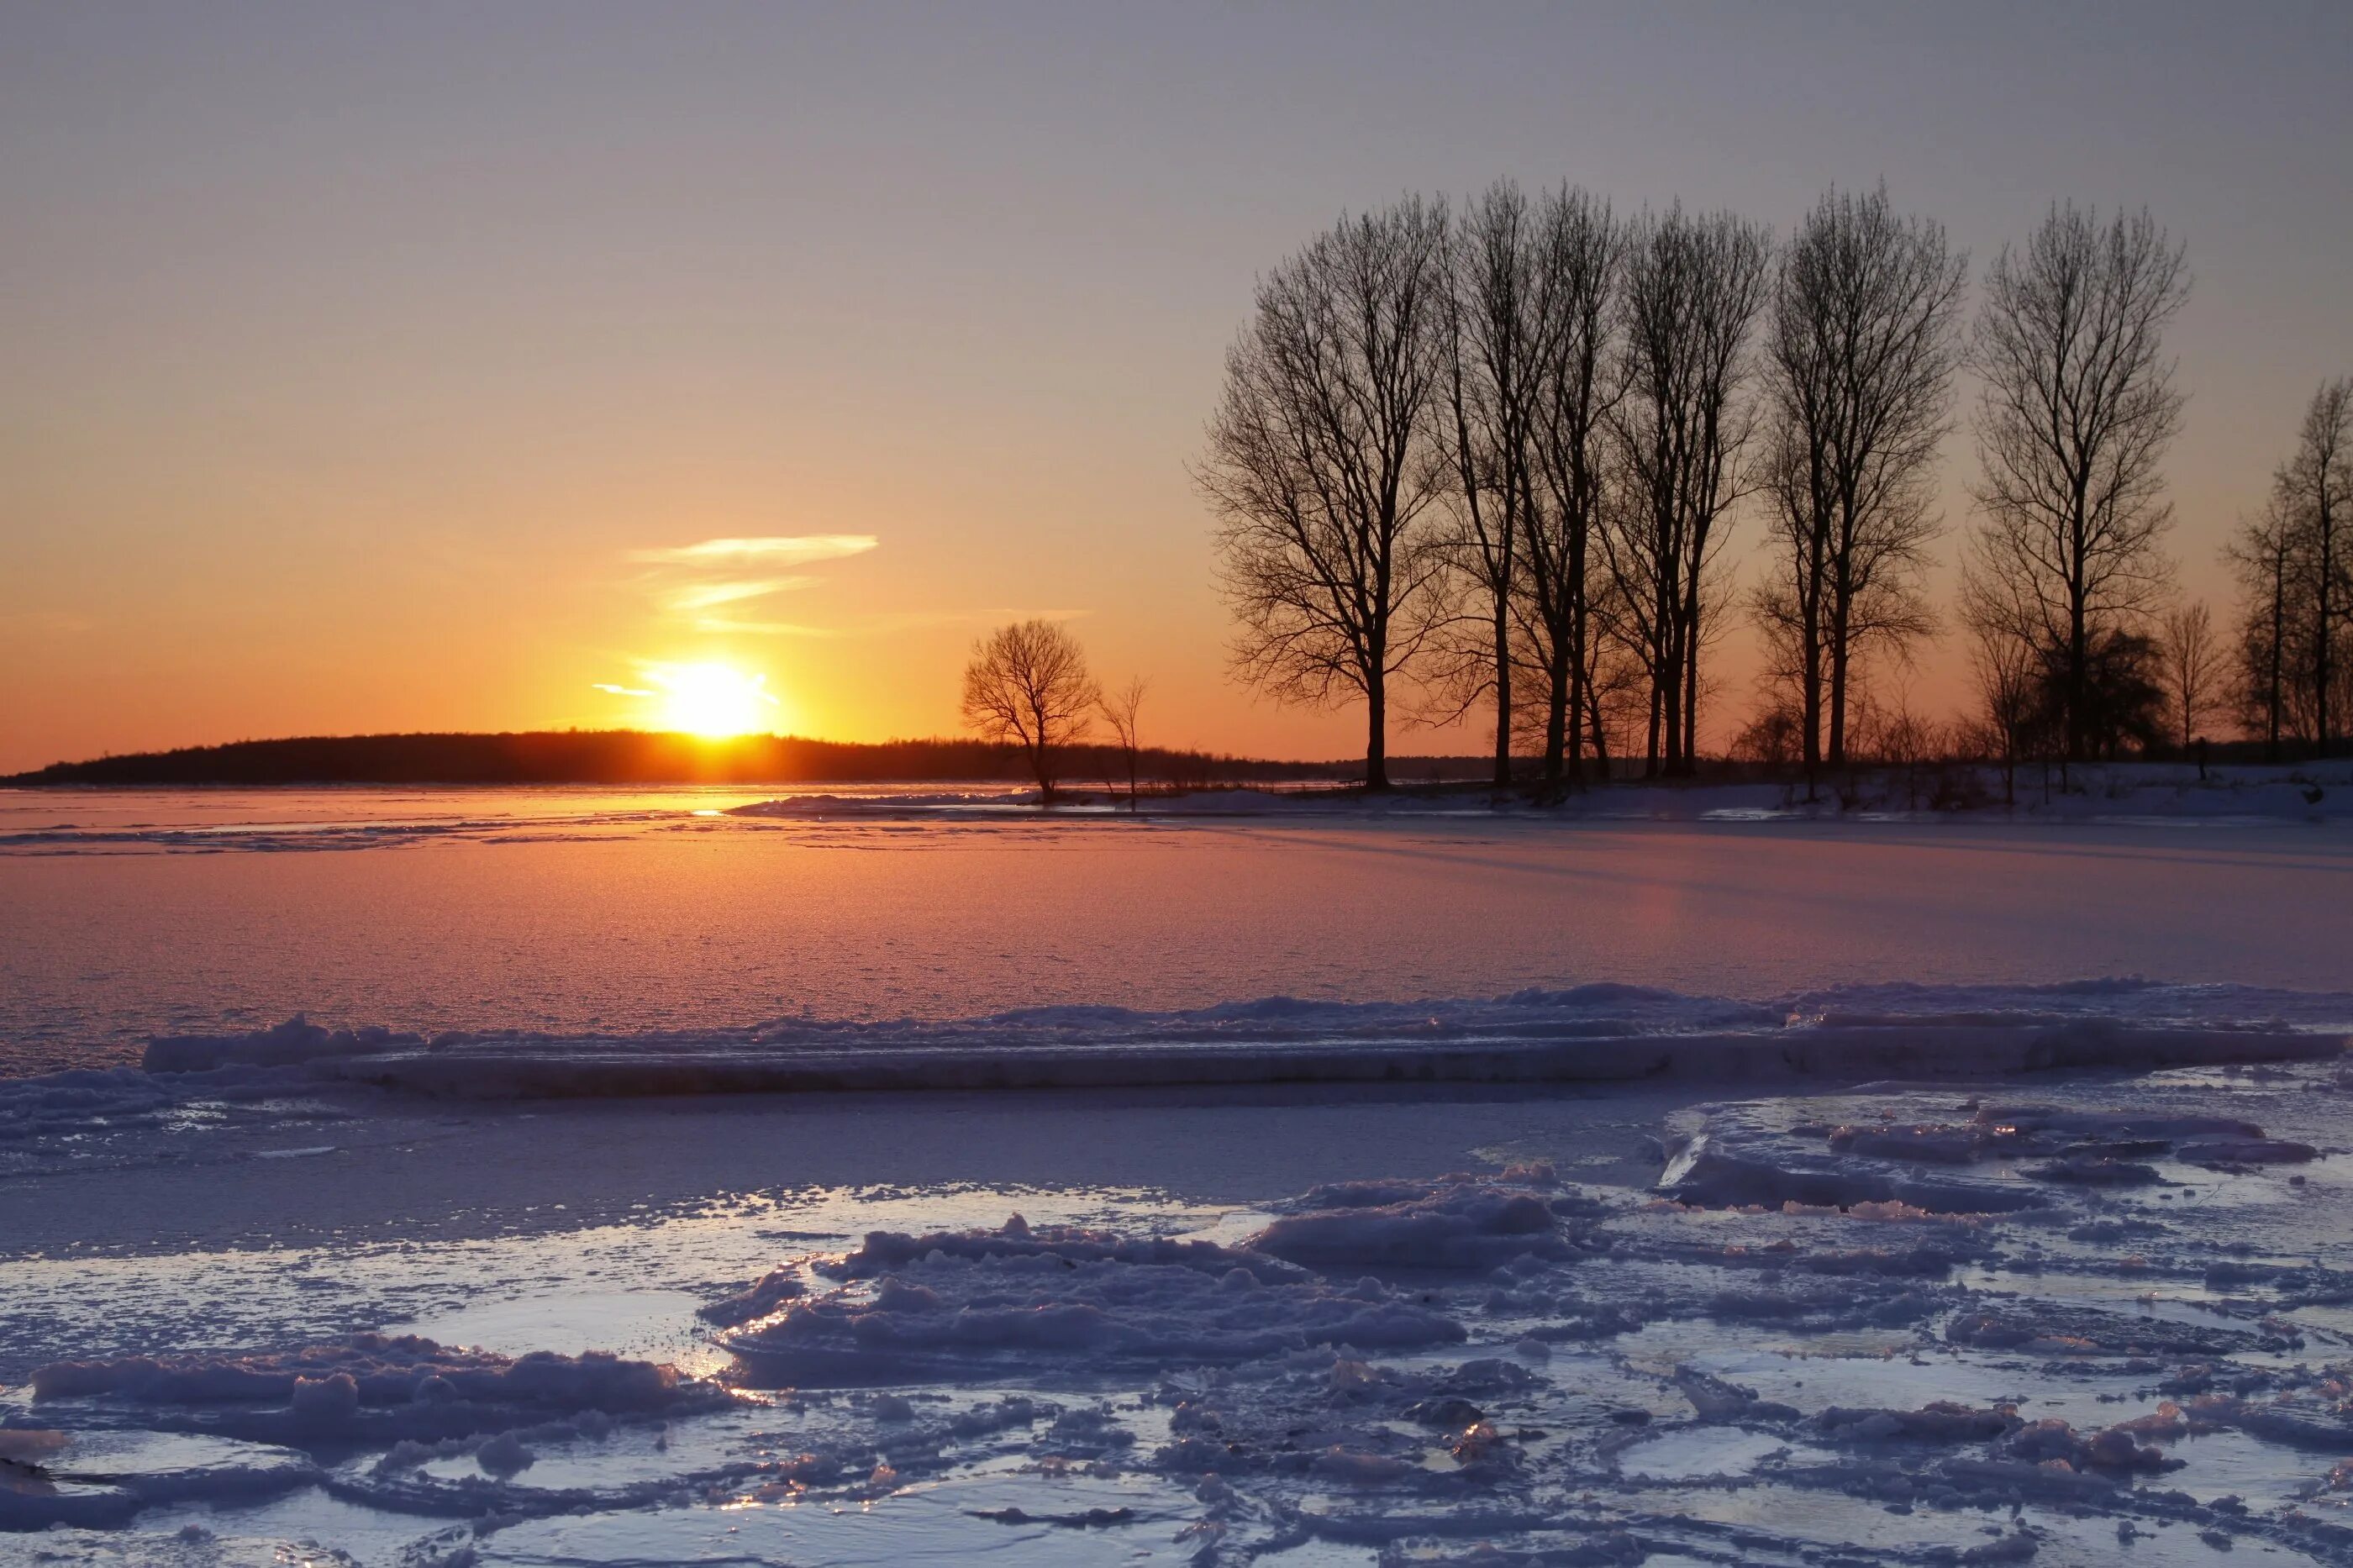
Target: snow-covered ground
(1772, 1192)
(590, 912)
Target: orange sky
(371, 371)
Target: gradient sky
(372, 367)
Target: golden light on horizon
(713, 701)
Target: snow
(1601, 1032)
(374, 1388)
(962, 1305)
(1968, 1261)
(673, 920)
(1509, 1362)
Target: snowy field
(913, 1181)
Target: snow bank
(1591, 1034)
(296, 1040)
(2122, 793)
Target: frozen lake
(1807, 1280)
(128, 914)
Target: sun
(713, 701)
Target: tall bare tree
(1495, 331)
(1858, 351)
(1027, 683)
(1581, 254)
(2192, 668)
(2078, 405)
(1692, 287)
(1318, 470)
(2315, 489)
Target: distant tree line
(638, 757)
(1488, 456)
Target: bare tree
(2192, 668)
(1318, 470)
(1580, 256)
(1121, 710)
(1027, 683)
(2262, 555)
(1494, 329)
(2077, 408)
(2006, 670)
(1692, 287)
(1860, 348)
(2315, 489)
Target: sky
(369, 368)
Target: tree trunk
(1688, 676)
(1558, 697)
(1503, 693)
(1651, 755)
(1593, 728)
(1576, 686)
(1376, 739)
(1810, 678)
(2321, 670)
(2278, 653)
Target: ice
(966, 1305)
(192, 1547)
(1749, 1155)
(1794, 1319)
(1590, 1034)
(374, 1388)
(107, 1476)
(586, 912)
(1469, 1224)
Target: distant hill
(636, 757)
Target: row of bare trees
(2293, 560)
(1494, 450)
(1490, 455)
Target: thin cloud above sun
(691, 583)
(702, 596)
(776, 550)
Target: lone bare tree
(1027, 683)
(2077, 408)
(1121, 710)
(1859, 349)
(1319, 471)
(1692, 287)
(2191, 667)
(2315, 489)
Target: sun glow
(713, 701)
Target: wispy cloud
(780, 550)
(883, 624)
(696, 598)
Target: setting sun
(714, 700)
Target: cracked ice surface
(1901, 1324)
